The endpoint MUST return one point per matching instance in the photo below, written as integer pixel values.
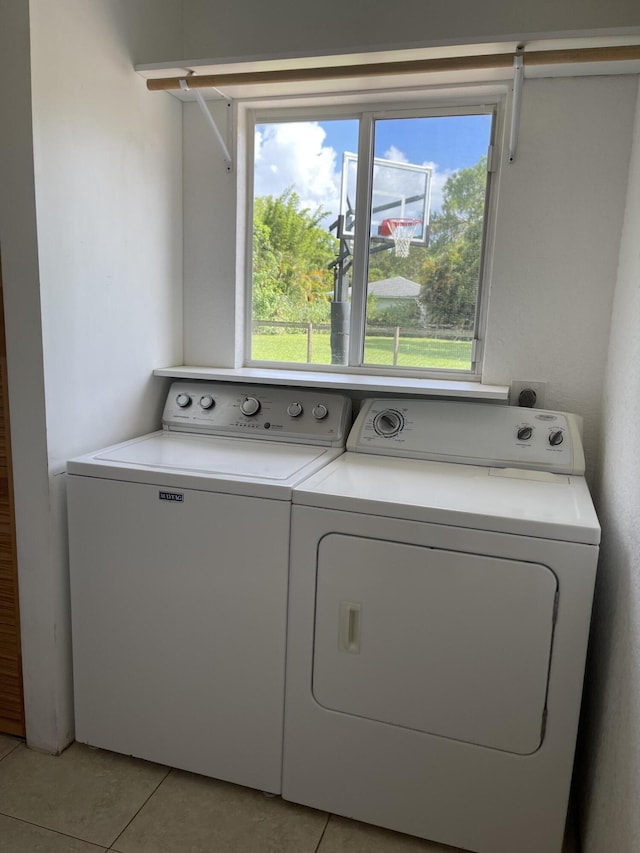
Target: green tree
(406, 313)
(451, 268)
(386, 264)
(291, 253)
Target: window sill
(342, 382)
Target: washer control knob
(556, 437)
(207, 402)
(525, 433)
(320, 411)
(388, 423)
(183, 400)
(250, 406)
(294, 409)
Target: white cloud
(393, 153)
(294, 155)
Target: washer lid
(211, 463)
(526, 503)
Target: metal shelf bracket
(518, 77)
(228, 161)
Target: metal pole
(340, 315)
(396, 345)
(340, 307)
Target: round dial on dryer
(207, 402)
(250, 406)
(294, 409)
(183, 400)
(525, 433)
(556, 437)
(388, 423)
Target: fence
(396, 333)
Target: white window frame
(385, 106)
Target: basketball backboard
(399, 191)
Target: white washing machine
(441, 582)
(179, 546)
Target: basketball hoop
(402, 231)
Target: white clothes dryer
(179, 546)
(441, 582)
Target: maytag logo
(171, 496)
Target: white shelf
(342, 381)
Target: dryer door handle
(349, 627)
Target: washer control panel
(470, 433)
(265, 412)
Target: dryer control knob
(525, 433)
(183, 400)
(556, 437)
(388, 423)
(320, 411)
(207, 402)
(294, 409)
(250, 406)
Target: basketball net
(403, 231)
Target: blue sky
(453, 142)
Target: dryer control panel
(470, 433)
(258, 411)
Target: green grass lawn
(413, 352)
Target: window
(368, 234)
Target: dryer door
(449, 643)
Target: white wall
(108, 159)
(246, 28)
(108, 198)
(212, 312)
(610, 766)
(560, 214)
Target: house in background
(116, 261)
(398, 290)
(395, 302)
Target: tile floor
(87, 800)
